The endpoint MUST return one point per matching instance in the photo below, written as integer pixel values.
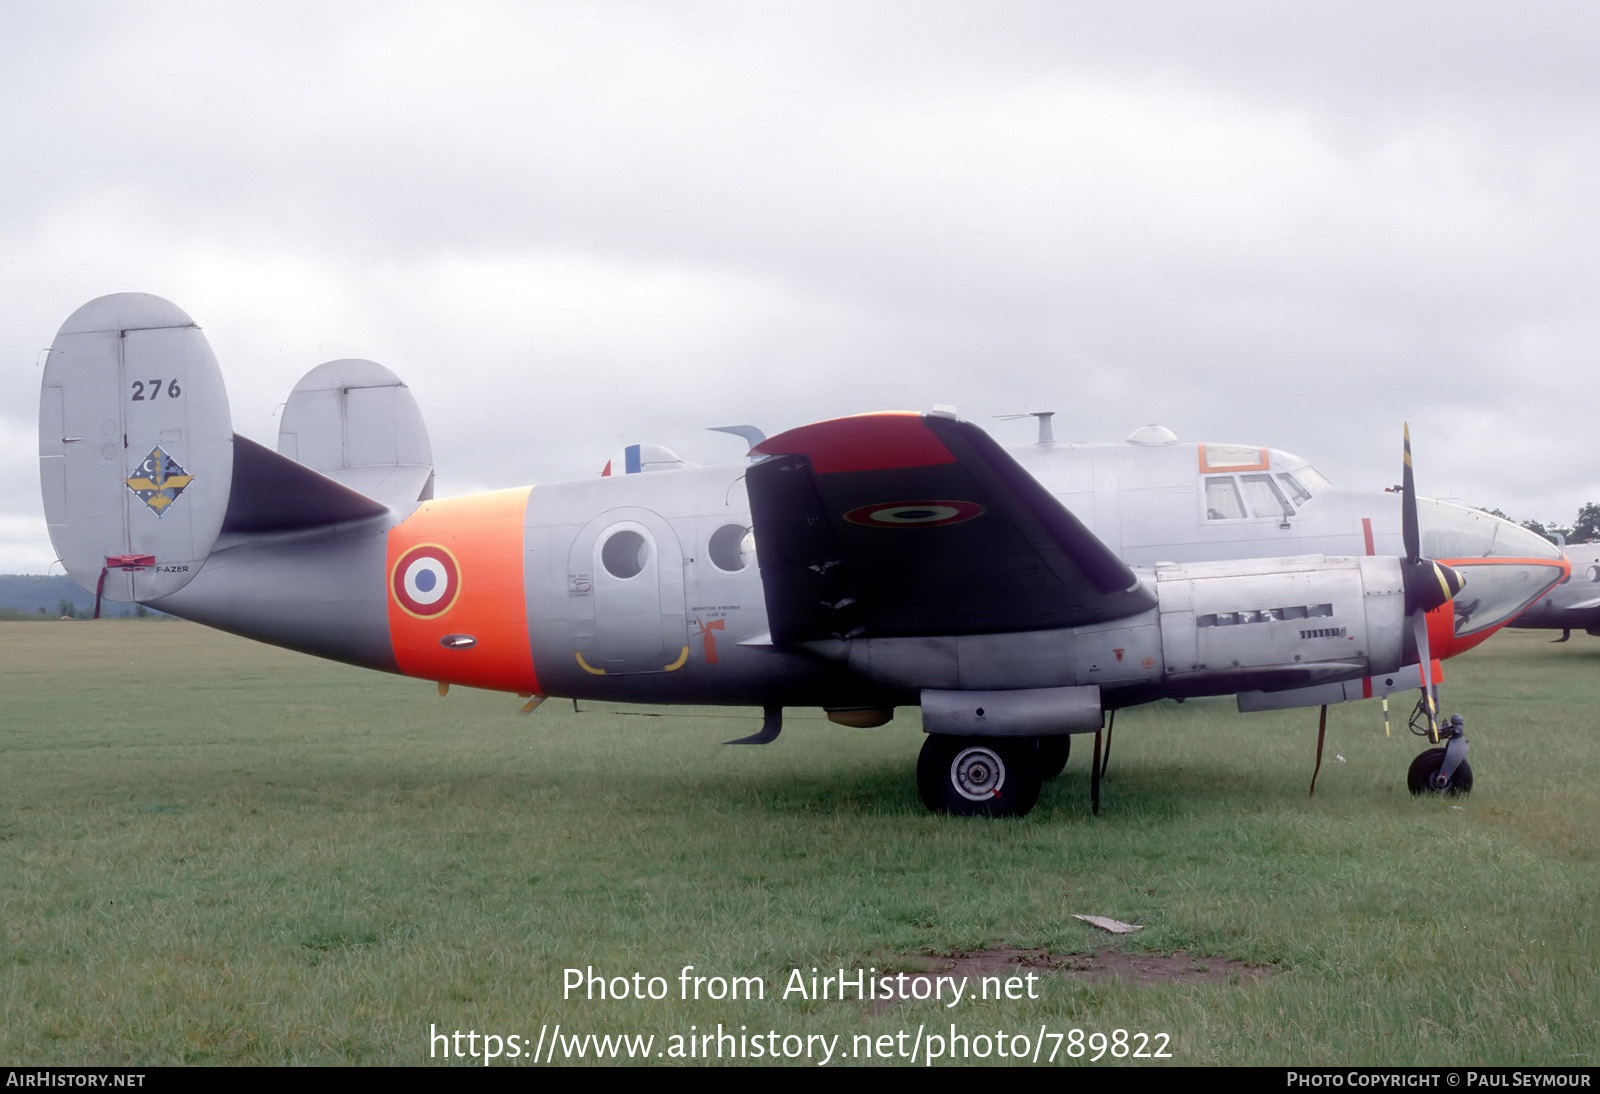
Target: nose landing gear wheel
(1423, 777)
(979, 776)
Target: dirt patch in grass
(1144, 968)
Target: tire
(979, 776)
(1419, 779)
(1053, 753)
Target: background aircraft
(1574, 604)
(904, 559)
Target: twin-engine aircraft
(855, 565)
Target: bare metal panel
(1021, 712)
(319, 590)
(1125, 654)
(1343, 691)
(1227, 616)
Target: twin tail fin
(142, 472)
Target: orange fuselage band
(457, 609)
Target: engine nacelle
(1219, 627)
(1268, 623)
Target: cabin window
(1222, 499)
(625, 554)
(730, 548)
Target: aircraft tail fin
(135, 446)
(356, 423)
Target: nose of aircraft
(1505, 568)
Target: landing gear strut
(1443, 770)
(979, 776)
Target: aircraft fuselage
(647, 587)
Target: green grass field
(217, 852)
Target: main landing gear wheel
(1423, 778)
(1053, 753)
(979, 776)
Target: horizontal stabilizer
(272, 493)
(888, 525)
(356, 423)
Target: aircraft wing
(896, 525)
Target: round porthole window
(625, 553)
(730, 547)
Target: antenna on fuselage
(1047, 433)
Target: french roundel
(425, 580)
(914, 514)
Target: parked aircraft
(856, 565)
(1574, 604)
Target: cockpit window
(1314, 480)
(1232, 457)
(1298, 477)
(1297, 493)
(1226, 501)
(1266, 500)
(1222, 499)
(1283, 483)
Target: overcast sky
(574, 226)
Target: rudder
(358, 424)
(135, 445)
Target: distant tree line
(56, 596)
(67, 609)
(1586, 529)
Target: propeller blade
(1419, 632)
(1408, 505)
(1427, 583)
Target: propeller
(1428, 585)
